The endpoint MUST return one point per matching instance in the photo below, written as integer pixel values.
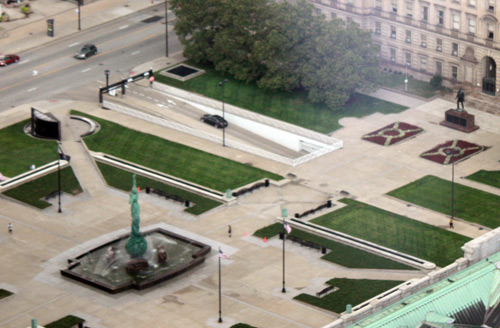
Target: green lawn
(123, 180)
(395, 231)
(172, 158)
(19, 151)
(68, 321)
(491, 178)
(415, 87)
(33, 192)
(342, 254)
(4, 293)
(351, 291)
(286, 106)
(470, 204)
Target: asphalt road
(51, 71)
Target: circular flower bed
(452, 151)
(392, 133)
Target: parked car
(87, 51)
(215, 120)
(8, 59)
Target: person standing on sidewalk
(9, 227)
(451, 223)
(229, 230)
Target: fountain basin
(104, 267)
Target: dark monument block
(459, 120)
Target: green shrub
(436, 81)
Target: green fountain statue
(136, 244)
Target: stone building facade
(457, 39)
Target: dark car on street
(215, 120)
(87, 51)
(8, 59)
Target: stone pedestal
(459, 120)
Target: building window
(393, 32)
(408, 36)
(456, 21)
(425, 14)
(378, 4)
(440, 17)
(423, 40)
(334, 15)
(408, 59)
(491, 30)
(439, 68)
(454, 72)
(378, 28)
(423, 64)
(393, 55)
(439, 45)
(491, 5)
(454, 49)
(317, 11)
(394, 4)
(350, 2)
(349, 20)
(472, 25)
(409, 9)
(472, 3)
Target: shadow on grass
(122, 180)
(175, 159)
(394, 231)
(469, 204)
(351, 291)
(341, 254)
(34, 192)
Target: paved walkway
(252, 279)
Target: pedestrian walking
(229, 230)
(451, 223)
(10, 227)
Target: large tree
(280, 46)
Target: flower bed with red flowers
(452, 151)
(392, 133)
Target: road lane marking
(77, 63)
(86, 70)
(32, 89)
(73, 44)
(135, 53)
(122, 27)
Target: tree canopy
(279, 46)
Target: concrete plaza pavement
(252, 279)
(42, 240)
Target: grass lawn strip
(19, 150)
(172, 158)
(490, 178)
(121, 179)
(33, 192)
(351, 291)
(395, 231)
(469, 204)
(342, 254)
(68, 321)
(290, 107)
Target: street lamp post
(221, 84)
(79, 3)
(166, 27)
(59, 154)
(106, 72)
(284, 214)
(451, 153)
(406, 77)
